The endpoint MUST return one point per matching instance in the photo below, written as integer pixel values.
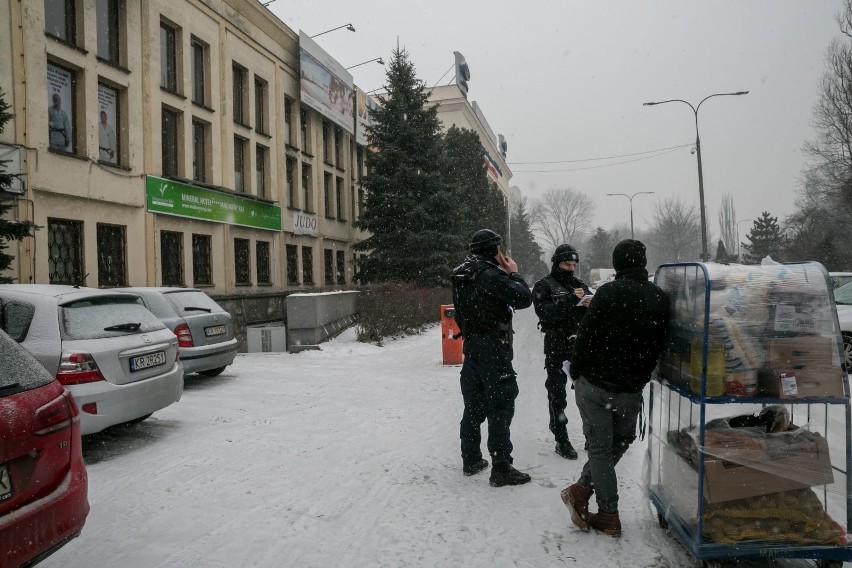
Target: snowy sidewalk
(346, 457)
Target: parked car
(838, 279)
(843, 300)
(204, 330)
(43, 481)
(115, 357)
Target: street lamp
(738, 236)
(349, 27)
(379, 59)
(630, 197)
(704, 255)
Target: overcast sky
(565, 80)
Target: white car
(838, 279)
(843, 299)
(114, 356)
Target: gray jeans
(609, 424)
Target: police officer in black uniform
(486, 288)
(557, 299)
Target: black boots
(566, 450)
(504, 474)
(472, 468)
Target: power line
(603, 158)
(597, 167)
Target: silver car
(113, 355)
(204, 330)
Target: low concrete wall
(313, 318)
(252, 310)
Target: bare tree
(677, 232)
(561, 216)
(728, 223)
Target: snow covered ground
(347, 456)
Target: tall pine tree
(407, 203)
(525, 250)
(600, 250)
(9, 230)
(765, 237)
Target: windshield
(192, 301)
(843, 295)
(18, 370)
(106, 317)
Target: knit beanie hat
(485, 242)
(628, 253)
(564, 253)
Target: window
(242, 270)
(341, 267)
(171, 258)
(239, 78)
(261, 252)
(16, 319)
(60, 19)
(65, 251)
(292, 264)
(338, 147)
(329, 191)
(239, 164)
(307, 194)
(360, 158)
(112, 268)
(108, 125)
(62, 86)
(292, 195)
(108, 25)
(202, 275)
(199, 151)
(360, 201)
(260, 169)
(168, 58)
(260, 105)
(288, 119)
(199, 71)
(303, 130)
(339, 199)
(326, 142)
(329, 266)
(169, 121)
(307, 265)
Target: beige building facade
(164, 143)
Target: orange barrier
(451, 347)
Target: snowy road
(345, 457)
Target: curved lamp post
(738, 236)
(630, 197)
(379, 59)
(704, 255)
(349, 27)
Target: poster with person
(60, 111)
(107, 114)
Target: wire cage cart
(749, 415)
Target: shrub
(395, 309)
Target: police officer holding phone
(486, 289)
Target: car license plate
(214, 330)
(5, 483)
(146, 361)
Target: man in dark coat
(486, 288)
(618, 345)
(560, 303)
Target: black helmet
(484, 241)
(564, 253)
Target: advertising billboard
(365, 105)
(325, 85)
(60, 108)
(107, 119)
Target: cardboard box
(726, 481)
(801, 367)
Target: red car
(43, 481)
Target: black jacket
(484, 297)
(558, 313)
(623, 334)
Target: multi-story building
(165, 142)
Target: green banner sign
(174, 198)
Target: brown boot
(607, 523)
(576, 498)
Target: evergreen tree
(408, 209)
(765, 237)
(9, 230)
(722, 256)
(525, 250)
(600, 250)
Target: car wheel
(847, 352)
(212, 372)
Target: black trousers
(557, 396)
(489, 389)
